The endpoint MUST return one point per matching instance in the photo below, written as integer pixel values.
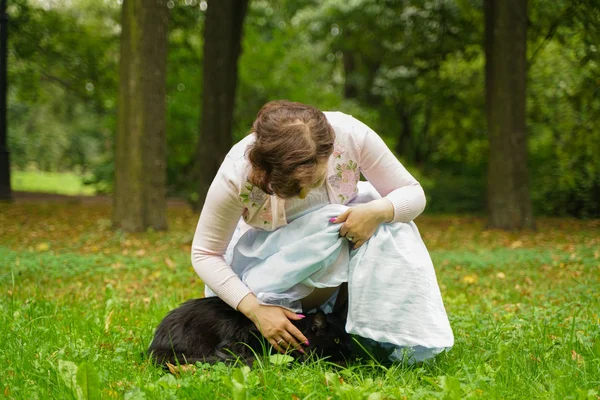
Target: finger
(276, 346)
(292, 315)
(343, 230)
(358, 243)
(297, 334)
(292, 344)
(343, 216)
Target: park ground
(79, 302)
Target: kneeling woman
(298, 160)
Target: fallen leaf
(500, 275)
(108, 320)
(187, 368)
(576, 357)
(172, 369)
(470, 279)
(169, 263)
(516, 244)
(178, 369)
(42, 247)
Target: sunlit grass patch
(68, 183)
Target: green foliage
(411, 69)
(62, 63)
(564, 114)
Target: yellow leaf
(178, 369)
(172, 369)
(470, 279)
(108, 320)
(42, 247)
(500, 275)
(516, 244)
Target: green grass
(68, 183)
(79, 303)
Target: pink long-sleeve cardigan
(357, 149)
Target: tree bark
(351, 90)
(223, 28)
(405, 145)
(509, 202)
(5, 187)
(140, 162)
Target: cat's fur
(209, 330)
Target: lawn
(79, 303)
(49, 182)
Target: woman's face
(318, 180)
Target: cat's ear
(320, 322)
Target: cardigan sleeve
(383, 170)
(218, 219)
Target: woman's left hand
(361, 221)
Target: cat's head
(327, 336)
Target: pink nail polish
(332, 219)
(301, 316)
(301, 351)
(308, 344)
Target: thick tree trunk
(509, 201)
(140, 163)
(222, 47)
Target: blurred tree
(222, 47)
(62, 84)
(416, 75)
(5, 187)
(509, 200)
(184, 95)
(140, 161)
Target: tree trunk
(222, 47)
(5, 188)
(509, 201)
(140, 162)
(351, 90)
(404, 144)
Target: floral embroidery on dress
(252, 195)
(255, 198)
(338, 149)
(266, 215)
(345, 179)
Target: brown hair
(292, 139)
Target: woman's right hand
(274, 324)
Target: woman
(297, 158)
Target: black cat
(209, 330)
